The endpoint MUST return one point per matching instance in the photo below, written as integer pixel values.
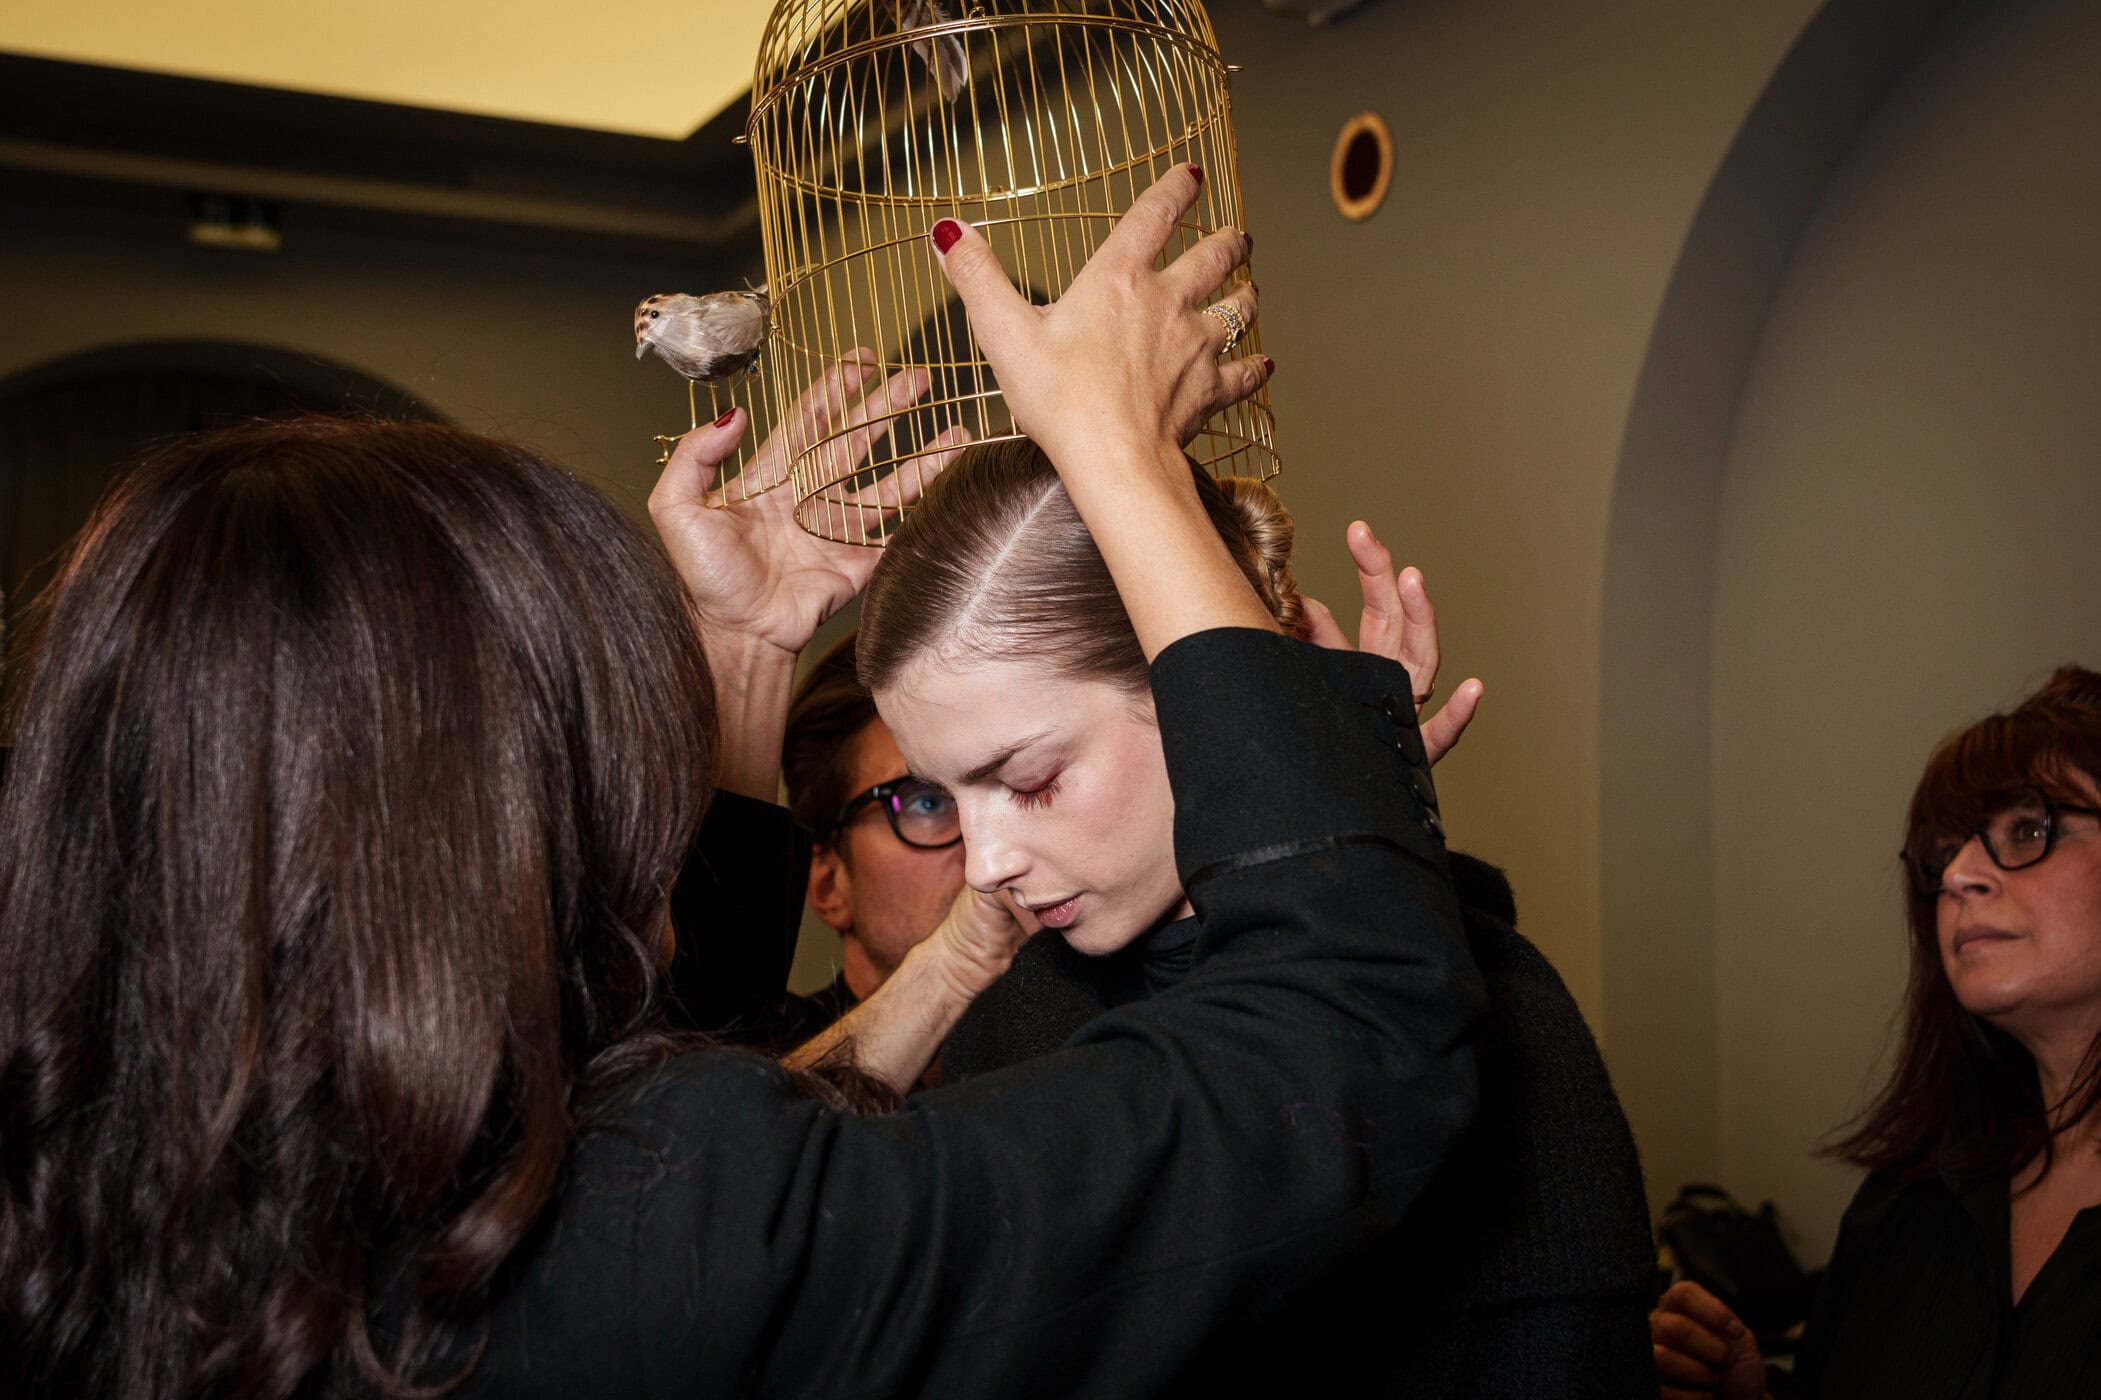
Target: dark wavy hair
(1964, 1098)
(353, 762)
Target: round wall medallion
(1362, 166)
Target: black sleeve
(1085, 1223)
(735, 911)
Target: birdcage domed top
(1038, 121)
(803, 38)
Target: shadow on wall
(1656, 795)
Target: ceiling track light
(226, 221)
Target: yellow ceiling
(648, 67)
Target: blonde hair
(995, 562)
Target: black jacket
(1527, 1268)
(735, 911)
(1090, 1222)
(1918, 1302)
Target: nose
(1971, 871)
(992, 860)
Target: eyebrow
(999, 760)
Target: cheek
(1133, 824)
(941, 872)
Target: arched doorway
(69, 427)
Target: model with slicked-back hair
(995, 562)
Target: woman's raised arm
(1111, 380)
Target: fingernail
(1269, 366)
(1255, 289)
(1250, 242)
(946, 232)
(1198, 172)
(724, 420)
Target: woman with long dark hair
(1969, 1264)
(352, 767)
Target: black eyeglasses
(920, 814)
(2015, 838)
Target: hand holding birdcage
(756, 575)
(761, 583)
(1111, 380)
(1131, 355)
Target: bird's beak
(641, 346)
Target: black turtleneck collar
(1155, 962)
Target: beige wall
(1458, 369)
(1907, 542)
(532, 346)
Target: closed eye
(1028, 799)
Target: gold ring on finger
(1228, 315)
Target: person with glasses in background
(1969, 1263)
(886, 858)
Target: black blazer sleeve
(1082, 1224)
(736, 910)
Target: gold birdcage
(1038, 121)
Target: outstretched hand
(761, 583)
(757, 576)
(1399, 624)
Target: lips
(1058, 915)
(1974, 937)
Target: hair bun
(1259, 531)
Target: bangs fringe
(2051, 743)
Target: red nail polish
(1250, 242)
(724, 420)
(1269, 366)
(1198, 172)
(946, 232)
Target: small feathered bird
(705, 338)
(945, 57)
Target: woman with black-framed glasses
(1969, 1264)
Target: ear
(831, 888)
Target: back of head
(353, 762)
(994, 562)
(1963, 1098)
